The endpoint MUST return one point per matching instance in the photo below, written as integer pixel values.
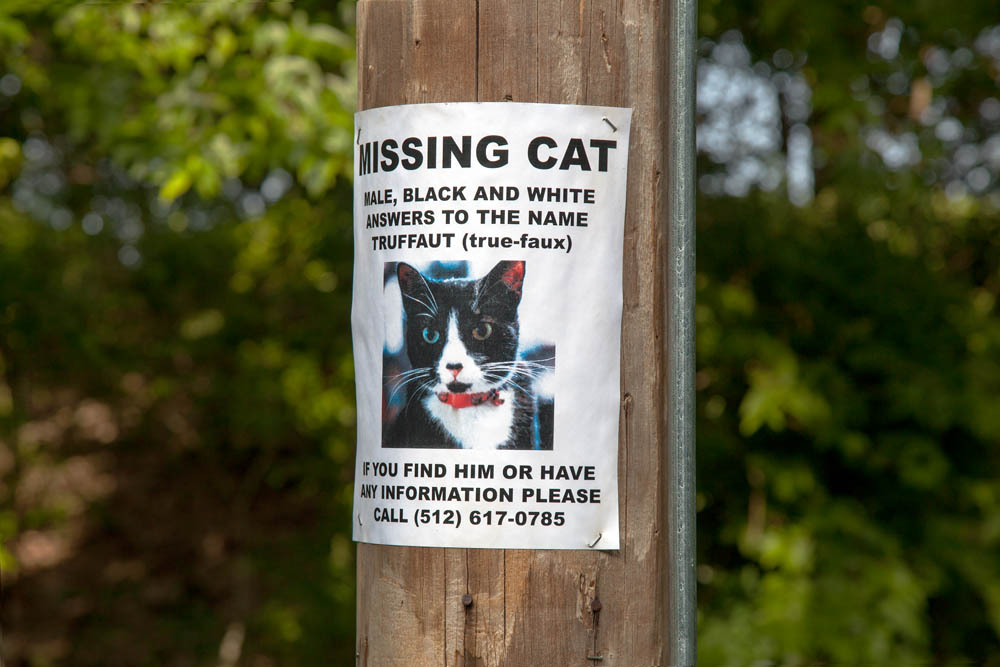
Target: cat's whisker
(426, 385)
(416, 369)
(406, 378)
(530, 379)
(531, 372)
(499, 366)
(529, 361)
(535, 361)
(526, 362)
(410, 378)
(536, 368)
(507, 378)
(404, 374)
(399, 382)
(510, 373)
(410, 398)
(433, 310)
(497, 379)
(533, 375)
(516, 384)
(396, 390)
(433, 301)
(404, 381)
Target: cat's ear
(505, 280)
(412, 286)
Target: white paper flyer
(487, 324)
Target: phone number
(489, 518)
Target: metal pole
(681, 508)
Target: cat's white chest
(479, 427)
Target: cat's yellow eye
(483, 331)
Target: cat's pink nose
(455, 370)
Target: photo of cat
(459, 376)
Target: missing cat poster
(487, 324)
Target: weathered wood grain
(535, 607)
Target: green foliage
(190, 96)
(848, 363)
(839, 405)
(176, 394)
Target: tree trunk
(525, 608)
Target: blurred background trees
(176, 391)
(849, 434)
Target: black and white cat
(466, 387)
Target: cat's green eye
(431, 335)
(483, 331)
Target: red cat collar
(469, 400)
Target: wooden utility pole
(523, 608)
